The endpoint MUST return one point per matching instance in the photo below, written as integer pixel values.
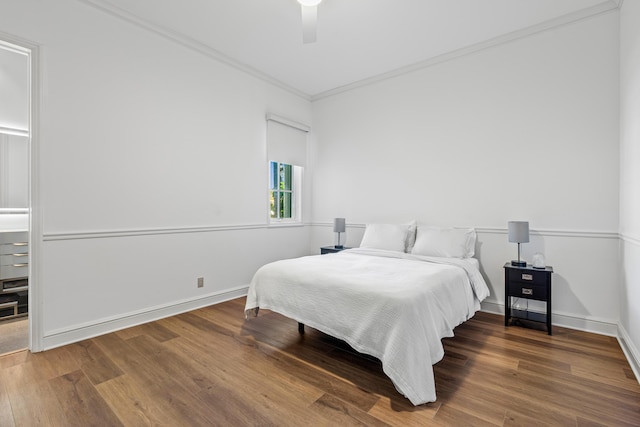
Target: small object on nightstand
(538, 261)
(331, 249)
(529, 283)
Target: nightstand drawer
(529, 277)
(528, 290)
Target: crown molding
(191, 44)
(561, 21)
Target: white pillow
(391, 237)
(445, 242)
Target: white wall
(526, 130)
(630, 176)
(153, 171)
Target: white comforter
(396, 307)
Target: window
(286, 160)
(281, 190)
(285, 183)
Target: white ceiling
(357, 39)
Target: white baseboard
(81, 332)
(597, 326)
(492, 307)
(630, 351)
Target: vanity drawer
(14, 286)
(8, 249)
(14, 271)
(14, 237)
(13, 259)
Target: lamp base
(339, 246)
(519, 263)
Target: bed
(395, 303)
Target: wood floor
(14, 334)
(211, 367)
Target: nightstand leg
(549, 313)
(301, 328)
(507, 311)
(507, 302)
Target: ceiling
(357, 40)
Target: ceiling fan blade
(309, 23)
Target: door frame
(33, 51)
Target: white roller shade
(286, 143)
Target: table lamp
(338, 227)
(518, 233)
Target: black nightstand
(331, 249)
(529, 283)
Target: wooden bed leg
(301, 328)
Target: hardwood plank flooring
(212, 367)
(14, 334)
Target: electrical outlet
(200, 282)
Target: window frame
(295, 191)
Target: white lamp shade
(338, 225)
(309, 2)
(518, 231)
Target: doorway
(16, 184)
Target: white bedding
(391, 305)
